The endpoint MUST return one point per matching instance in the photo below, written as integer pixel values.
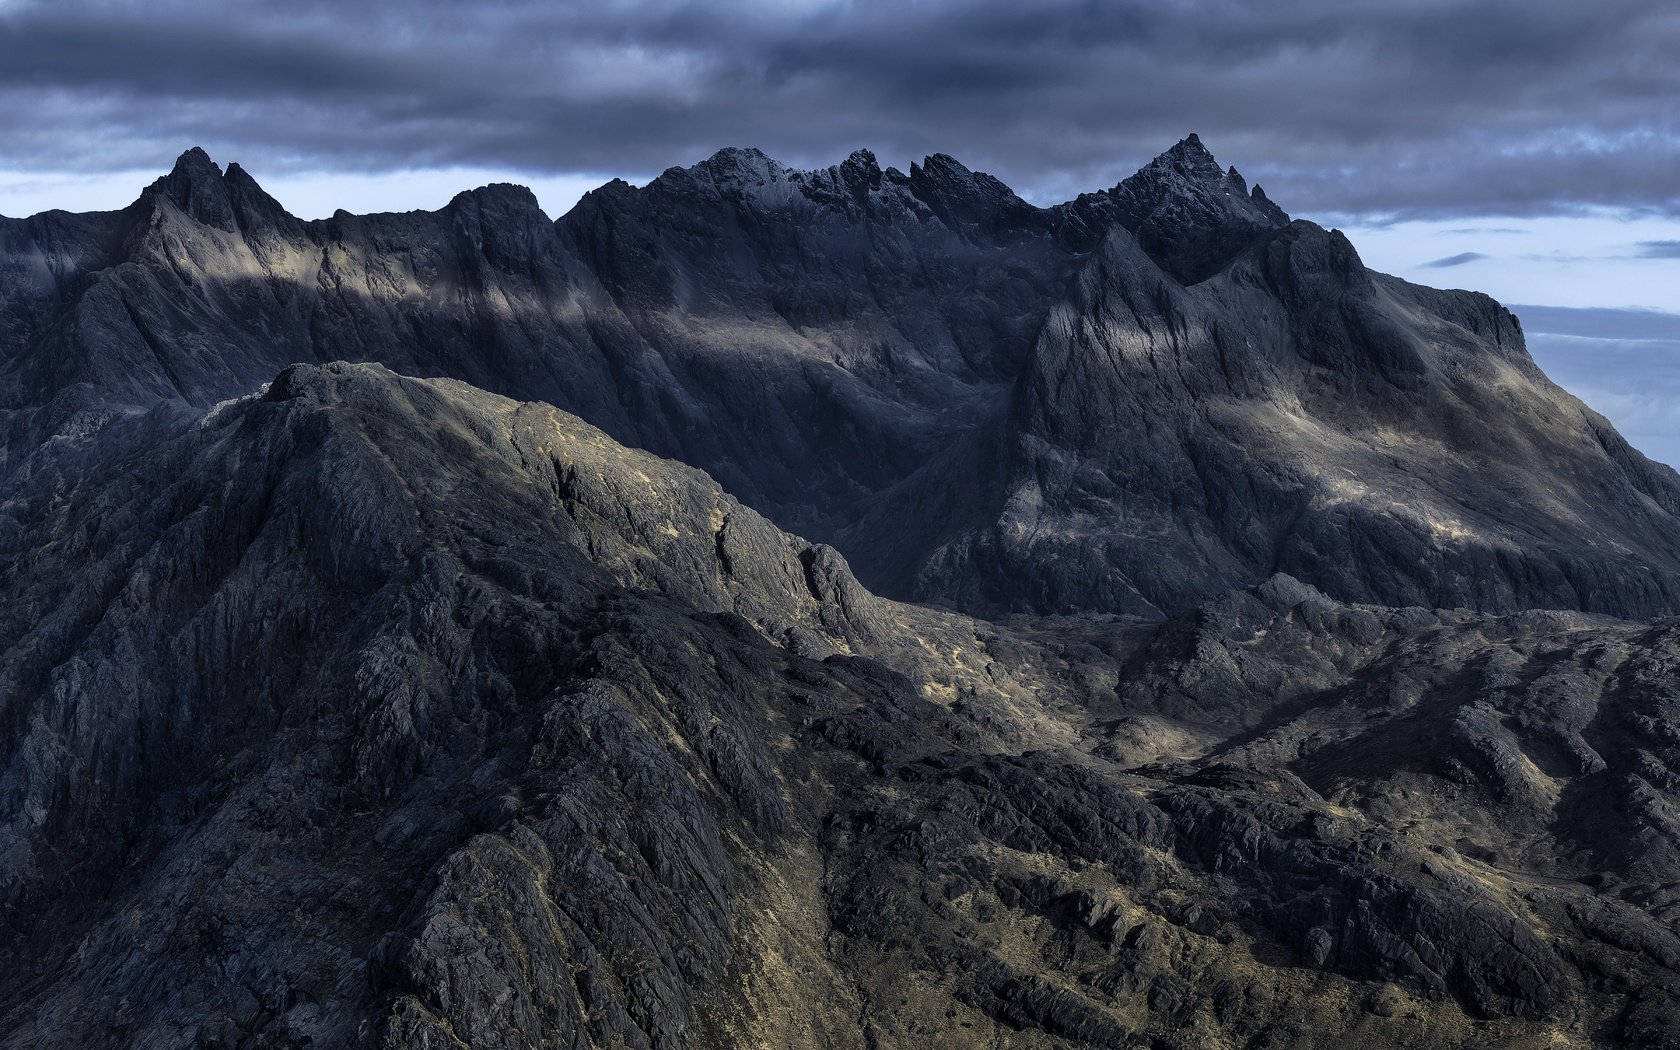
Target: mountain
(374, 711)
(1128, 403)
(440, 630)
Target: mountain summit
(1190, 215)
(1126, 403)
(464, 630)
(381, 712)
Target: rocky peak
(1190, 214)
(971, 202)
(497, 198)
(861, 170)
(243, 187)
(736, 168)
(1188, 158)
(196, 187)
(230, 201)
(849, 186)
(253, 208)
(502, 223)
(931, 295)
(940, 167)
(195, 166)
(320, 383)
(943, 175)
(1188, 172)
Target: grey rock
(387, 712)
(1124, 404)
(342, 707)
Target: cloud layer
(1430, 108)
(1455, 260)
(1624, 363)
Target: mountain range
(838, 608)
(1124, 404)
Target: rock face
(1326, 700)
(1127, 403)
(372, 711)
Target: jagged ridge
(1126, 403)
(362, 710)
(388, 712)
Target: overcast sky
(1531, 150)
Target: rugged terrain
(1321, 702)
(1127, 403)
(390, 711)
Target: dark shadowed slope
(1126, 403)
(381, 712)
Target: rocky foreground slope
(373, 711)
(1128, 403)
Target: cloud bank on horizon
(1420, 110)
(1624, 363)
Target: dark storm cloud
(1455, 260)
(1421, 109)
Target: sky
(1530, 150)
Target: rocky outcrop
(1191, 217)
(1127, 403)
(1297, 413)
(374, 711)
(344, 707)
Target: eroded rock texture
(1127, 403)
(1322, 703)
(372, 711)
